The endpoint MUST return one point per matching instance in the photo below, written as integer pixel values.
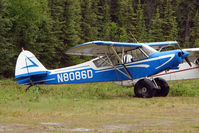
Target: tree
(71, 30)
(7, 53)
(26, 15)
(129, 21)
(141, 34)
(195, 30)
(104, 20)
(31, 28)
(56, 11)
(89, 20)
(169, 23)
(156, 32)
(174, 29)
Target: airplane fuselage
(89, 72)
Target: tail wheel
(163, 87)
(144, 88)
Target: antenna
(134, 37)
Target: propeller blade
(180, 48)
(187, 60)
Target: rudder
(28, 65)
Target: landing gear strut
(31, 84)
(163, 87)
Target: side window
(105, 61)
(101, 62)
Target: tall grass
(11, 91)
(184, 88)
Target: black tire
(144, 88)
(163, 87)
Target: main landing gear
(147, 88)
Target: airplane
(116, 61)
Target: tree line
(49, 27)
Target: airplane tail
(27, 66)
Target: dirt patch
(5, 128)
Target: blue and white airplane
(116, 61)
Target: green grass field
(97, 107)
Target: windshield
(148, 50)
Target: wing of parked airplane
(100, 48)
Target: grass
(99, 107)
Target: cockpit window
(136, 54)
(148, 50)
(126, 57)
(104, 61)
(101, 62)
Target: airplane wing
(192, 51)
(100, 48)
(194, 54)
(160, 45)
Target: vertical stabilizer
(28, 65)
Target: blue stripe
(33, 64)
(30, 74)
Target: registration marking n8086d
(71, 76)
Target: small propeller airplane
(117, 61)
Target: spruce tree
(173, 35)
(167, 20)
(141, 33)
(130, 22)
(56, 10)
(104, 20)
(195, 30)
(32, 29)
(26, 16)
(70, 30)
(156, 32)
(89, 20)
(169, 23)
(7, 49)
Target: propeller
(186, 58)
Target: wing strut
(120, 61)
(110, 63)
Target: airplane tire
(163, 87)
(144, 88)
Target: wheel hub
(144, 90)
